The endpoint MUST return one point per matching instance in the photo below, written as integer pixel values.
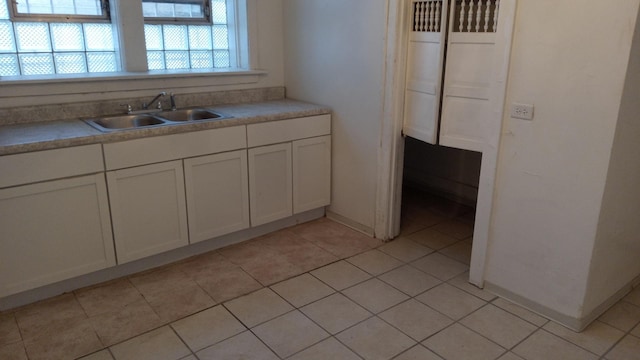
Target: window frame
(205, 20)
(15, 16)
(133, 59)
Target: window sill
(19, 91)
(89, 77)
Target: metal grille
(171, 46)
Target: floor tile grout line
(182, 340)
(513, 313)
(569, 341)
(627, 333)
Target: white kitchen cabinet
(52, 231)
(270, 183)
(148, 209)
(311, 173)
(217, 188)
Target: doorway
(465, 130)
(439, 197)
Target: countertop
(37, 136)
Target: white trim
(391, 150)
(128, 24)
(489, 168)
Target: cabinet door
(148, 210)
(217, 194)
(270, 189)
(311, 173)
(53, 231)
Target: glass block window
(43, 48)
(186, 46)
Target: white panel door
(148, 209)
(477, 63)
(53, 231)
(217, 188)
(270, 183)
(311, 173)
(427, 20)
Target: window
(175, 42)
(176, 10)
(48, 37)
(42, 37)
(59, 9)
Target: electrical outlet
(522, 111)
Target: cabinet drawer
(287, 130)
(173, 147)
(50, 164)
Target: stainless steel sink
(137, 121)
(190, 115)
(121, 122)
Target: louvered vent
(479, 16)
(427, 16)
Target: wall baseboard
(573, 323)
(350, 223)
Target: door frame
(391, 150)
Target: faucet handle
(129, 109)
(172, 98)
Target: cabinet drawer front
(287, 130)
(173, 147)
(50, 164)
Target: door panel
(474, 83)
(424, 69)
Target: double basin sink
(161, 118)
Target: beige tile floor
(314, 291)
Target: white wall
(334, 55)
(569, 60)
(266, 44)
(616, 254)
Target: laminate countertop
(47, 135)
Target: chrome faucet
(172, 98)
(145, 106)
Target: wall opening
(439, 196)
